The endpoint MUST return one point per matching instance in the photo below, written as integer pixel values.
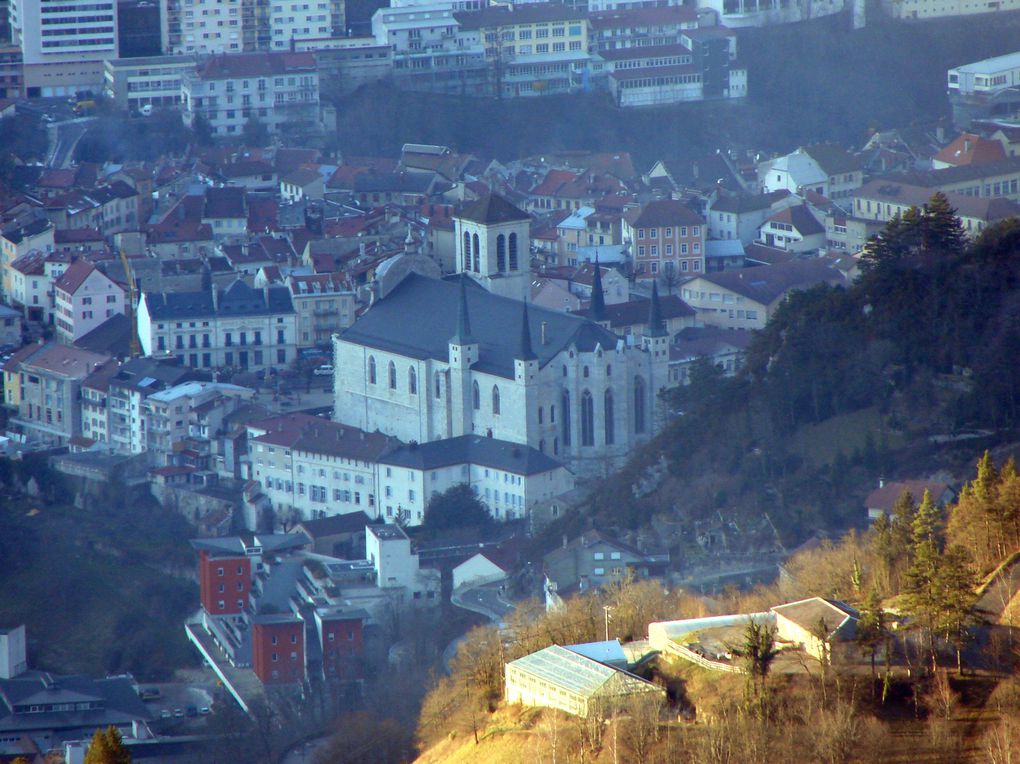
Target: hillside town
(383, 400)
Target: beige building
(747, 297)
(825, 629)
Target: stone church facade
(436, 359)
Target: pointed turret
(656, 328)
(597, 310)
(463, 334)
(526, 353)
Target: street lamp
(606, 609)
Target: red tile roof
(74, 276)
(969, 148)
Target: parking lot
(179, 705)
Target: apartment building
(132, 83)
(12, 78)
(84, 298)
(294, 21)
(279, 90)
(237, 327)
(665, 236)
(49, 379)
(432, 49)
(533, 49)
(205, 26)
(64, 45)
(324, 304)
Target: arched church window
(587, 419)
(610, 424)
(371, 369)
(467, 251)
(393, 376)
(412, 381)
(476, 251)
(566, 418)
(495, 399)
(541, 414)
(438, 378)
(501, 253)
(476, 396)
(639, 404)
(513, 252)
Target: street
(488, 600)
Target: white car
(326, 370)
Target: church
(439, 358)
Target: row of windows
(653, 233)
(471, 251)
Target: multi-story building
(31, 231)
(824, 168)
(313, 468)
(12, 78)
(278, 648)
(930, 9)
(324, 303)
(64, 45)
(291, 22)
(508, 478)
(126, 393)
(132, 83)
(85, 297)
(665, 236)
(279, 90)
(49, 380)
(533, 49)
(347, 63)
(205, 26)
(641, 27)
(29, 283)
(739, 14)
(192, 409)
(432, 49)
(237, 327)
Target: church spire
(597, 310)
(526, 353)
(463, 335)
(656, 328)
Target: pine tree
(923, 599)
(871, 626)
(942, 230)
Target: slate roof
(225, 202)
(740, 203)
(640, 17)
(490, 209)
(765, 284)
(961, 174)
(982, 208)
(113, 336)
(636, 311)
(255, 65)
(238, 299)
(840, 619)
(118, 702)
(662, 213)
(833, 159)
(419, 316)
(472, 449)
(349, 522)
(800, 218)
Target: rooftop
(765, 284)
(576, 673)
(472, 449)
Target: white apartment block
(204, 26)
(132, 83)
(277, 89)
(294, 20)
(64, 44)
(932, 9)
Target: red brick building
(224, 582)
(342, 643)
(665, 236)
(278, 648)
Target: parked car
(325, 370)
(166, 713)
(205, 710)
(178, 713)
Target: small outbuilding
(824, 629)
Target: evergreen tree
(871, 626)
(942, 231)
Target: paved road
(67, 136)
(488, 600)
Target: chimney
(881, 482)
